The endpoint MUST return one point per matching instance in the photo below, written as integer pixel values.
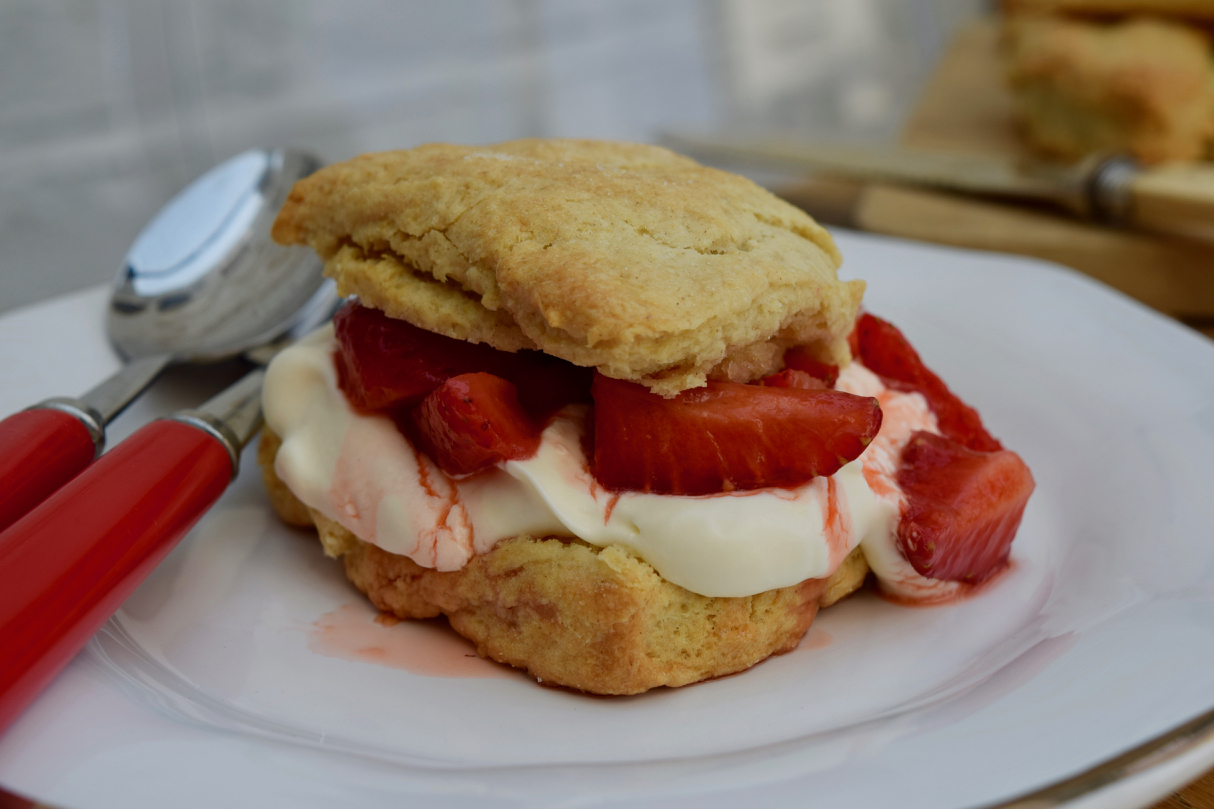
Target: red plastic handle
(70, 563)
(40, 450)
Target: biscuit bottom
(575, 615)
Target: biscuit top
(1143, 86)
(625, 257)
(1193, 9)
(1143, 56)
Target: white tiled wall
(107, 107)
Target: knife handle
(40, 450)
(1175, 199)
(70, 563)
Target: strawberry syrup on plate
(428, 648)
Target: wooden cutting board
(966, 108)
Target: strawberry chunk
(724, 437)
(962, 507)
(386, 364)
(473, 421)
(885, 351)
(799, 358)
(792, 378)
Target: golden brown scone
(1188, 9)
(846, 580)
(1143, 87)
(289, 507)
(571, 614)
(625, 257)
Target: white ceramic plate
(230, 677)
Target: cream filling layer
(363, 473)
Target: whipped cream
(361, 472)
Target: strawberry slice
(799, 358)
(385, 364)
(792, 378)
(885, 351)
(473, 421)
(962, 507)
(724, 437)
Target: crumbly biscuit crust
(594, 619)
(1190, 9)
(625, 257)
(1143, 87)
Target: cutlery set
(202, 283)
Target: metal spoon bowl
(204, 281)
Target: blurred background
(108, 107)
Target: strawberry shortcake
(614, 414)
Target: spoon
(203, 282)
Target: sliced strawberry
(962, 507)
(792, 378)
(473, 421)
(384, 364)
(724, 437)
(884, 351)
(799, 358)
